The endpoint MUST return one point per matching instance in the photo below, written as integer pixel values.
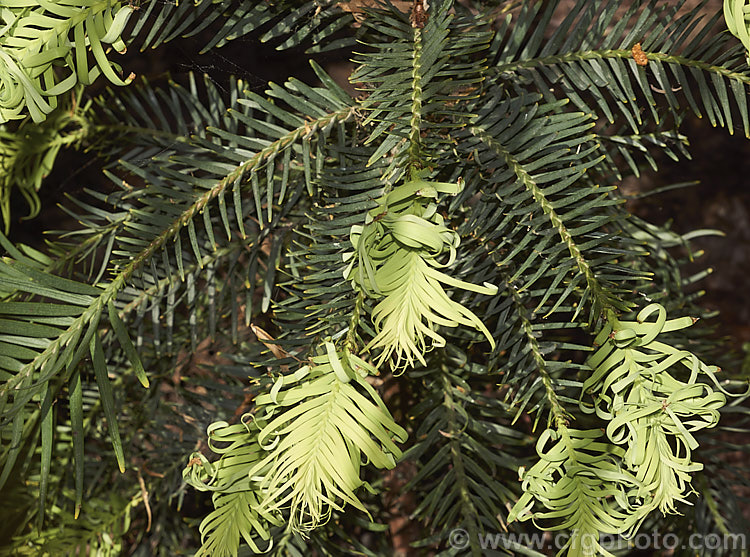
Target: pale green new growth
(301, 451)
(396, 261)
(386, 305)
(646, 409)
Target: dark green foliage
(256, 259)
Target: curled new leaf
(735, 15)
(320, 425)
(649, 393)
(579, 482)
(237, 515)
(397, 256)
(37, 37)
(300, 452)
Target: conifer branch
(468, 509)
(602, 298)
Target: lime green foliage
(637, 389)
(37, 38)
(648, 411)
(236, 516)
(50, 51)
(324, 428)
(736, 16)
(397, 256)
(28, 154)
(379, 306)
(580, 483)
(301, 451)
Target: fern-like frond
(431, 59)
(582, 487)
(298, 455)
(648, 408)
(196, 184)
(396, 260)
(467, 195)
(45, 342)
(50, 324)
(241, 148)
(320, 423)
(236, 516)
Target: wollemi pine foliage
(430, 300)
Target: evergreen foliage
(427, 302)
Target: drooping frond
(50, 324)
(46, 347)
(237, 516)
(191, 212)
(299, 454)
(458, 223)
(319, 424)
(648, 408)
(396, 260)
(582, 488)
